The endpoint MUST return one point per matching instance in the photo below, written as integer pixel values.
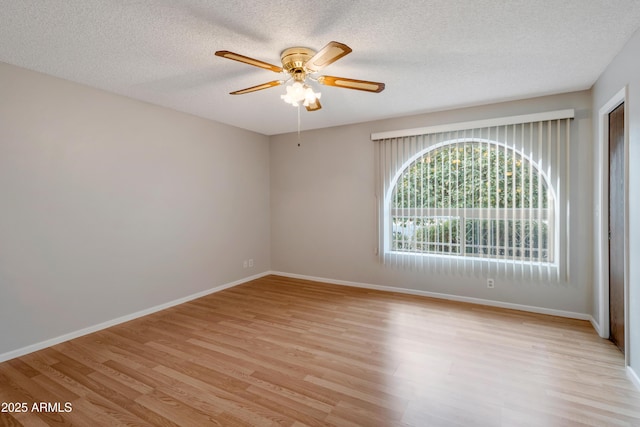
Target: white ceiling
(432, 55)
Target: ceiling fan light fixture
(300, 93)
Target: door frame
(602, 217)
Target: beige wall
(109, 206)
(324, 216)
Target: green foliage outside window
(471, 175)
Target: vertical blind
(485, 198)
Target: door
(616, 226)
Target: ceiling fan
(300, 64)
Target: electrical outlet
(491, 283)
(251, 262)
(245, 264)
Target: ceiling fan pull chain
(298, 108)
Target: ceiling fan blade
(327, 56)
(247, 60)
(351, 83)
(258, 87)
(315, 106)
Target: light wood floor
(279, 351)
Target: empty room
(369, 213)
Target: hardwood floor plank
(106, 373)
(290, 352)
(88, 412)
(298, 387)
(62, 394)
(221, 399)
(113, 395)
(7, 420)
(32, 393)
(174, 410)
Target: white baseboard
(633, 377)
(479, 301)
(66, 337)
(598, 328)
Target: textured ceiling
(432, 55)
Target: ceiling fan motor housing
(293, 60)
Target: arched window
(471, 198)
(483, 198)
